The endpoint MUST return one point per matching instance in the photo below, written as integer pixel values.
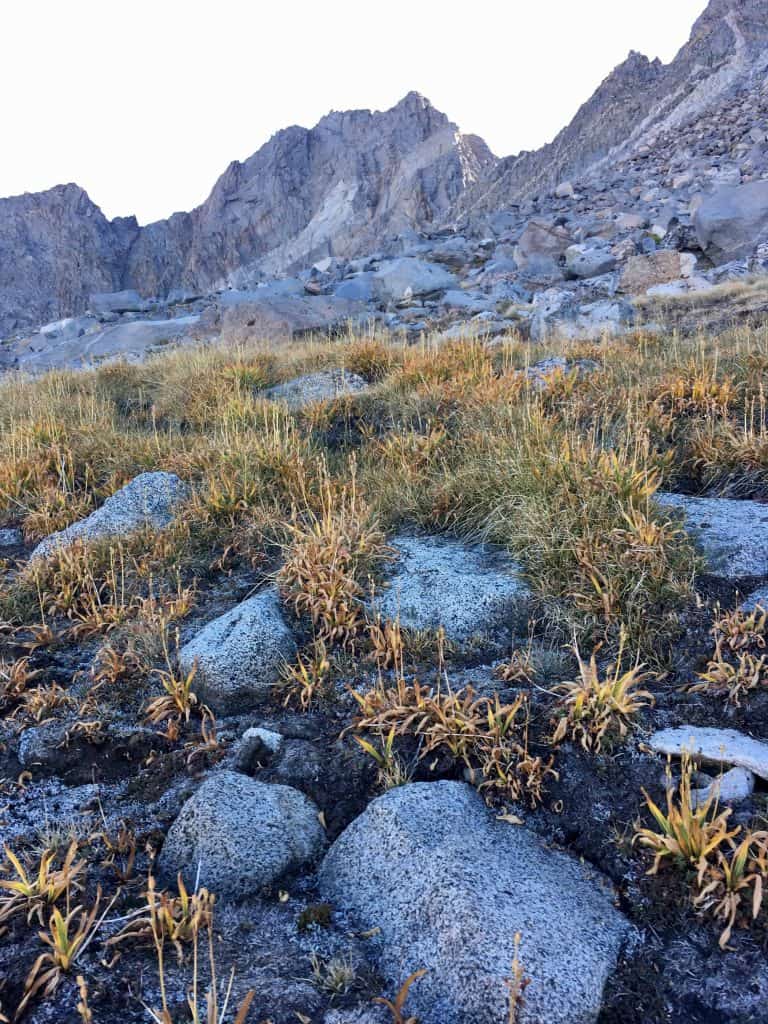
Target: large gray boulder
(149, 500)
(731, 223)
(470, 590)
(236, 836)
(541, 245)
(282, 317)
(323, 386)
(69, 328)
(732, 535)
(106, 303)
(450, 886)
(239, 655)
(130, 340)
(409, 278)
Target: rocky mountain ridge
(338, 188)
(564, 239)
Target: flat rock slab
(149, 500)
(449, 886)
(714, 746)
(323, 386)
(239, 655)
(132, 340)
(468, 590)
(237, 835)
(732, 535)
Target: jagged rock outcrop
(335, 189)
(657, 189)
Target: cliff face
(56, 247)
(639, 99)
(336, 189)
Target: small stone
(733, 787)
(757, 597)
(317, 387)
(10, 538)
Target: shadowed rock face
(56, 248)
(335, 189)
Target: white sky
(145, 103)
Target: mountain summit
(338, 188)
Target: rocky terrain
(654, 192)
(384, 575)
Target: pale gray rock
(128, 301)
(239, 655)
(757, 597)
(237, 836)
(408, 278)
(323, 386)
(473, 302)
(469, 590)
(130, 340)
(541, 244)
(713, 746)
(69, 328)
(360, 1015)
(286, 288)
(449, 887)
(733, 787)
(256, 746)
(10, 537)
(150, 501)
(731, 223)
(358, 288)
(732, 535)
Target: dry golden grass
(451, 437)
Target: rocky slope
(727, 49)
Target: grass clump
(597, 710)
(332, 550)
(726, 868)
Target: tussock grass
(452, 437)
